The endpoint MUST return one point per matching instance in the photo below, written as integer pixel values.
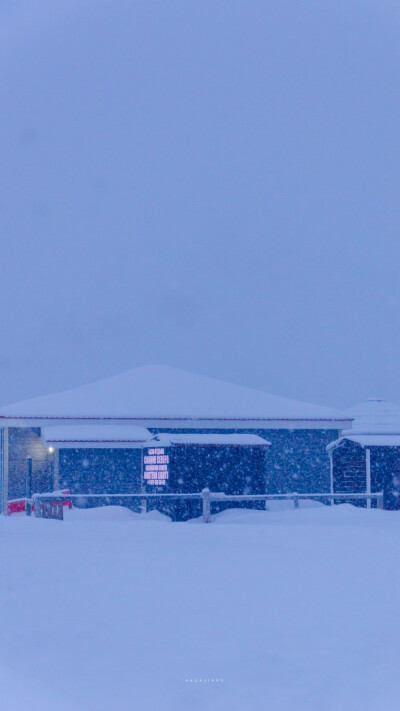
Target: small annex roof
(376, 424)
(165, 393)
(378, 440)
(374, 416)
(210, 439)
(98, 435)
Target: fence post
(37, 504)
(206, 505)
(296, 500)
(59, 510)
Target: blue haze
(213, 185)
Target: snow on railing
(51, 505)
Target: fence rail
(50, 505)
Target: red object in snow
(16, 506)
(19, 505)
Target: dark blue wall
(230, 470)
(385, 474)
(349, 475)
(100, 470)
(296, 461)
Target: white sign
(156, 466)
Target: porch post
(331, 474)
(368, 475)
(5, 471)
(56, 471)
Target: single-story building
(98, 431)
(366, 458)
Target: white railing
(50, 505)
(295, 497)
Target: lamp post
(28, 486)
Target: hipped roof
(162, 392)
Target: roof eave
(183, 422)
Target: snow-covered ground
(286, 610)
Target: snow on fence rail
(51, 505)
(295, 497)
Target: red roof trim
(183, 419)
(156, 444)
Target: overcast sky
(212, 185)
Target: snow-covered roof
(376, 424)
(210, 439)
(378, 440)
(165, 393)
(374, 416)
(61, 436)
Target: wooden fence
(50, 505)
